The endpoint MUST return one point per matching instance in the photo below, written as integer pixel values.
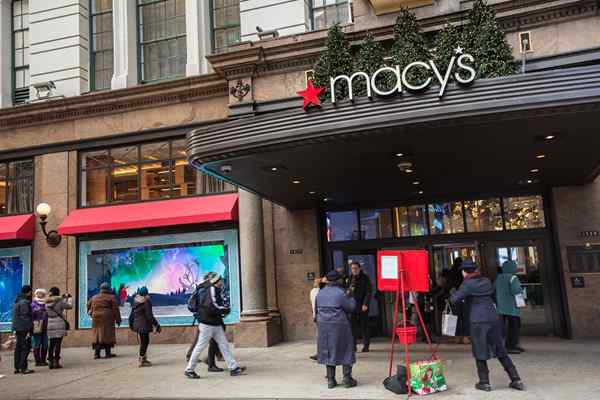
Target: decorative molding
(390, 6)
(114, 101)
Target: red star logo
(311, 94)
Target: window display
(169, 266)
(524, 212)
(446, 218)
(15, 266)
(410, 221)
(342, 226)
(376, 223)
(483, 215)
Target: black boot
(97, 353)
(331, 382)
(57, 363)
(484, 376)
(108, 352)
(513, 374)
(51, 363)
(349, 381)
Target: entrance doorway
(536, 316)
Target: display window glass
(410, 221)
(16, 187)
(483, 215)
(342, 226)
(446, 218)
(15, 270)
(525, 212)
(376, 223)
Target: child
(40, 327)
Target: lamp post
(52, 238)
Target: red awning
(17, 227)
(191, 210)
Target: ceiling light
(295, 181)
(326, 199)
(540, 156)
(409, 171)
(274, 169)
(549, 137)
(535, 170)
(420, 192)
(529, 181)
(399, 154)
(312, 192)
(416, 183)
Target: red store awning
(191, 210)
(17, 227)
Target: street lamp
(52, 238)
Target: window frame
(213, 28)
(32, 177)
(93, 51)
(140, 43)
(347, 3)
(14, 68)
(139, 163)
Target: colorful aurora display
(169, 272)
(11, 280)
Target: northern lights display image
(14, 273)
(167, 266)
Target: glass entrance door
(536, 317)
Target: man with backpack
(210, 310)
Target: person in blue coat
(485, 329)
(335, 343)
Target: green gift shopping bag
(427, 377)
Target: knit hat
(40, 292)
(143, 291)
(333, 276)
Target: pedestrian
(361, 289)
(344, 279)
(317, 286)
(486, 334)
(508, 286)
(142, 321)
(453, 279)
(103, 308)
(57, 324)
(22, 326)
(335, 343)
(211, 310)
(213, 348)
(40, 327)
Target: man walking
(22, 325)
(360, 288)
(211, 310)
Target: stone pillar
(5, 54)
(198, 36)
(256, 328)
(124, 44)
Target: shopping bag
(520, 300)
(449, 322)
(427, 377)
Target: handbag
(38, 327)
(449, 322)
(519, 297)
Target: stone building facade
(280, 248)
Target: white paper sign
(389, 267)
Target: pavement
(551, 368)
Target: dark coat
(212, 308)
(22, 317)
(360, 286)
(485, 329)
(105, 313)
(141, 319)
(335, 343)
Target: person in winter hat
(142, 321)
(40, 327)
(508, 286)
(486, 333)
(22, 326)
(210, 315)
(103, 308)
(57, 324)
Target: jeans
(144, 343)
(213, 350)
(484, 373)
(22, 349)
(360, 327)
(208, 332)
(54, 349)
(512, 325)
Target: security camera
(226, 169)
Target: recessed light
(409, 171)
(312, 192)
(274, 169)
(535, 170)
(295, 181)
(416, 183)
(540, 156)
(420, 192)
(529, 181)
(399, 154)
(326, 199)
(549, 137)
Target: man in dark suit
(361, 290)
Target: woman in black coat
(142, 321)
(486, 334)
(335, 343)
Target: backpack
(198, 296)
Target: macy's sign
(465, 74)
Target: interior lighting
(296, 181)
(416, 183)
(399, 154)
(535, 170)
(540, 156)
(312, 192)
(549, 137)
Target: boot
(37, 356)
(57, 363)
(513, 374)
(349, 381)
(484, 376)
(108, 353)
(145, 362)
(43, 355)
(51, 363)
(331, 382)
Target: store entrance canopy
(18, 227)
(513, 134)
(154, 214)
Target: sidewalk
(551, 368)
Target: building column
(256, 328)
(198, 36)
(124, 44)
(5, 53)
